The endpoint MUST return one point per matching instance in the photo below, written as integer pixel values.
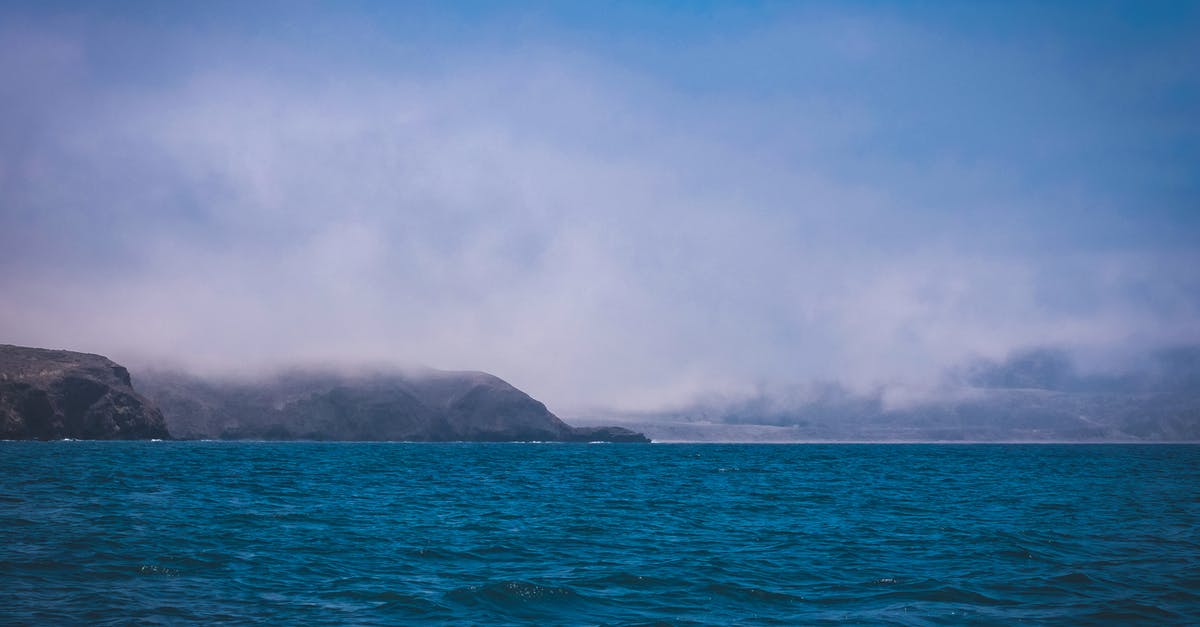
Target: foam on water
(326, 533)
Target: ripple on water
(751, 594)
(269, 533)
(522, 599)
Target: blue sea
(576, 534)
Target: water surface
(337, 533)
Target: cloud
(593, 232)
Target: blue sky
(623, 204)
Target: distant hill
(419, 406)
(56, 394)
(1034, 395)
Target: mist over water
(598, 534)
(625, 207)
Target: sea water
(347, 533)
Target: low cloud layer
(822, 195)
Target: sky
(608, 204)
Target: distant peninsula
(56, 394)
(411, 406)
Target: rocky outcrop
(606, 434)
(56, 394)
(414, 406)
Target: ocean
(576, 534)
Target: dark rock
(414, 406)
(606, 434)
(55, 394)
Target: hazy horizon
(626, 205)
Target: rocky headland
(56, 394)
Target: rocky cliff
(417, 406)
(55, 394)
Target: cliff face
(54, 394)
(428, 406)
